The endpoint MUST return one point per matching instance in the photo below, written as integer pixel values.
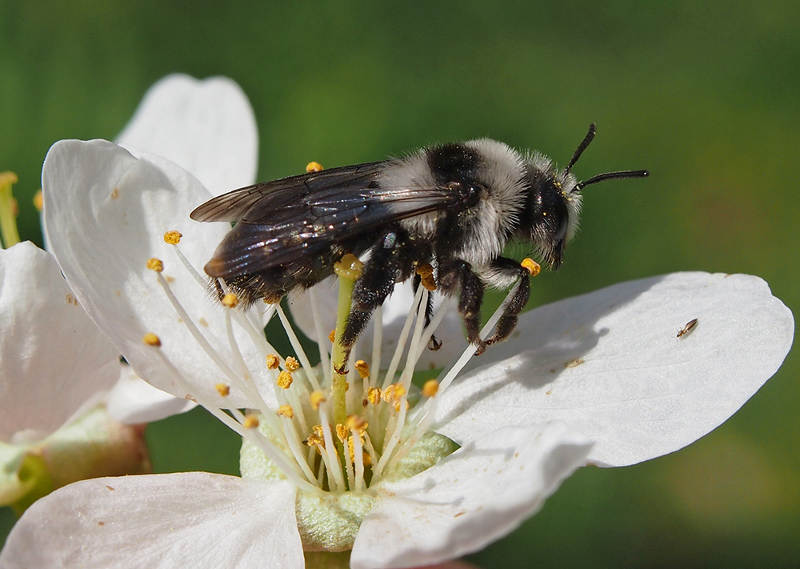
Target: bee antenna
(582, 146)
(609, 175)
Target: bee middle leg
(455, 273)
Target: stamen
(317, 398)
(324, 362)
(273, 361)
(297, 347)
(430, 388)
(313, 167)
(374, 395)
(292, 364)
(8, 210)
(334, 473)
(401, 341)
(358, 459)
(38, 200)
(230, 300)
(173, 237)
(362, 368)
(223, 389)
(284, 380)
(425, 272)
(250, 422)
(155, 264)
(286, 411)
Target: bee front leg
(457, 272)
(508, 320)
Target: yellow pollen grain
(430, 388)
(316, 398)
(230, 300)
(284, 380)
(273, 361)
(314, 167)
(292, 364)
(348, 267)
(250, 422)
(38, 200)
(341, 432)
(286, 411)
(155, 264)
(532, 266)
(223, 389)
(173, 237)
(332, 335)
(374, 395)
(425, 272)
(362, 368)
(151, 339)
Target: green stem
(8, 218)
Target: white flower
(599, 379)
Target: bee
(454, 206)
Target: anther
(374, 395)
(532, 266)
(273, 361)
(155, 264)
(284, 380)
(430, 388)
(151, 340)
(348, 267)
(286, 411)
(173, 237)
(292, 364)
(362, 368)
(332, 335)
(223, 389)
(425, 272)
(342, 432)
(38, 200)
(230, 300)
(314, 167)
(250, 422)
(356, 423)
(316, 398)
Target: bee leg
(434, 343)
(457, 272)
(508, 320)
(375, 284)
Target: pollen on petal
(273, 361)
(173, 237)
(532, 266)
(286, 411)
(230, 300)
(155, 264)
(284, 380)
(292, 364)
(223, 389)
(250, 422)
(314, 167)
(316, 398)
(151, 339)
(362, 368)
(348, 267)
(430, 388)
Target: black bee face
(552, 212)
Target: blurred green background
(703, 94)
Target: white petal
(162, 521)
(105, 215)
(52, 356)
(206, 127)
(394, 312)
(132, 400)
(471, 498)
(610, 365)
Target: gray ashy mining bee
(454, 206)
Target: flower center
(336, 429)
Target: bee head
(554, 200)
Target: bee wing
(233, 205)
(285, 223)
